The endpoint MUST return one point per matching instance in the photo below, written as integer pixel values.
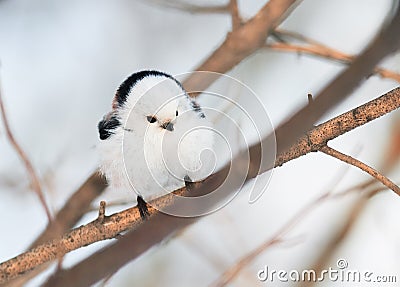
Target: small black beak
(168, 126)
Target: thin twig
(314, 48)
(235, 16)
(364, 167)
(239, 44)
(192, 8)
(328, 53)
(34, 179)
(233, 271)
(341, 234)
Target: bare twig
(34, 179)
(343, 123)
(192, 8)
(236, 19)
(239, 44)
(234, 270)
(102, 212)
(350, 160)
(328, 53)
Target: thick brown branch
(77, 205)
(236, 19)
(339, 89)
(321, 134)
(34, 179)
(130, 218)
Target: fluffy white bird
(152, 141)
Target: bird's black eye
(151, 119)
(176, 113)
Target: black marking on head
(107, 126)
(196, 107)
(151, 119)
(125, 88)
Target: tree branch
(321, 134)
(34, 179)
(161, 226)
(67, 217)
(192, 8)
(117, 223)
(239, 44)
(314, 48)
(236, 19)
(364, 167)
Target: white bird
(153, 139)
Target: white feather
(147, 158)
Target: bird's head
(156, 99)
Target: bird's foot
(142, 205)
(188, 182)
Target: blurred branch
(34, 179)
(317, 49)
(392, 151)
(386, 43)
(356, 210)
(236, 19)
(279, 236)
(321, 134)
(354, 162)
(239, 44)
(67, 217)
(110, 226)
(192, 8)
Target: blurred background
(61, 62)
